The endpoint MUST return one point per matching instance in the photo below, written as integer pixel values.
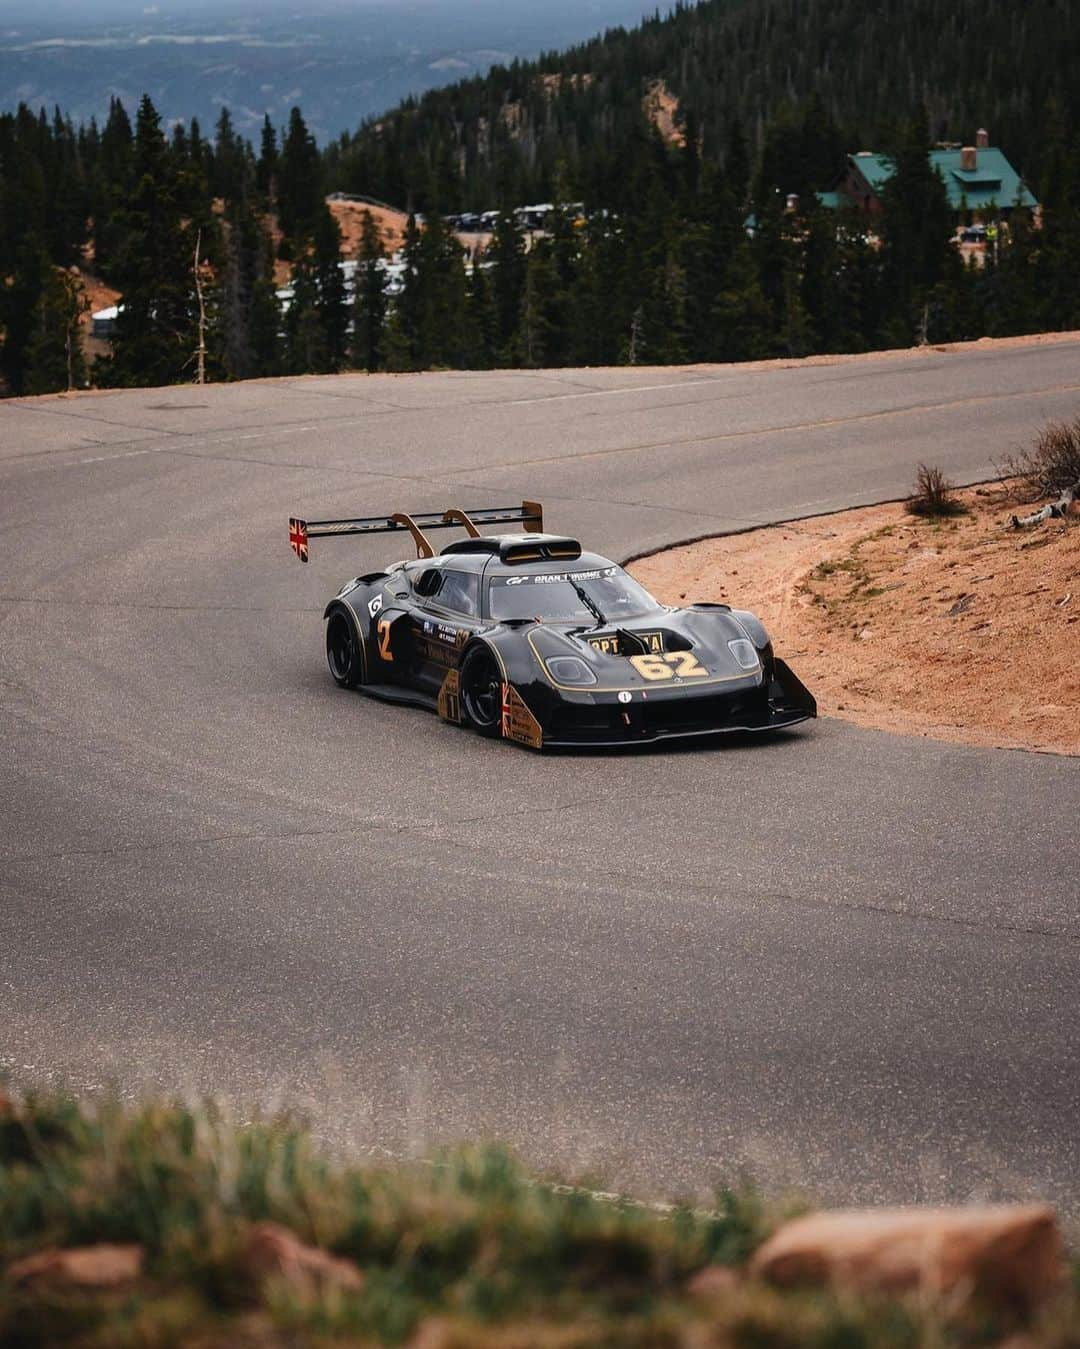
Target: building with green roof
(978, 179)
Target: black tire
(481, 692)
(343, 654)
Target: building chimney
(967, 159)
(982, 138)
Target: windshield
(555, 596)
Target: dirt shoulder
(960, 629)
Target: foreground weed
(469, 1250)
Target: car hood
(671, 649)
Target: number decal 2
(687, 666)
(384, 640)
(669, 665)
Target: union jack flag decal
(298, 537)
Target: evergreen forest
(699, 239)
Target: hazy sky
(340, 60)
(93, 13)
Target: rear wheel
(343, 654)
(481, 691)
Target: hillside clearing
(960, 629)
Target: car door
(446, 614)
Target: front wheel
(481, 691)
(343, 654)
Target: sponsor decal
(449, 697)
(438, 653)
(374, 605)
(608, 643)
(554, 578)
(518, 723)
(429, 627)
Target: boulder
(1009, 1254)
(90, 1267)
(714, 1282)
(273, 1252)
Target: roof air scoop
(538, 548)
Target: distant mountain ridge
(341, 61)
(565, 121)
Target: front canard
(518, 723)
(449, 697)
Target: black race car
(525, 636)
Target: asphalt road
(841, 959)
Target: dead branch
(1053, 510)
(200, 350)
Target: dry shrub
(934, 494)
(1052, 464)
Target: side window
(460, 591)
(427, 583)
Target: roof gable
(992, 180)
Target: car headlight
(744, 653)
(569, 670)
(752, 626)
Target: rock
(712, 1282)
(91, 1267)
(1009, 1254)
(273, 1252)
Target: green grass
(466, 1251)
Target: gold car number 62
(669, 665)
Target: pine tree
(482, 318)
(20, 297)
(711, 237)
(264, 329)
(233, 338)
(332, 299)
(742, 318)
(305, 335)
(536, 335)
(300, 190)
(1059, 245)
(397, 348)
(111, 187)
(229, 175)
(1013, 279)
(404, 336)
(916, 232)
(507, 257)
(369, 298)
(666, 315)
(54, 354)
(602, 302)
(440, 282)
(267, 170)
(154, 338)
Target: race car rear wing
(530, 515)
